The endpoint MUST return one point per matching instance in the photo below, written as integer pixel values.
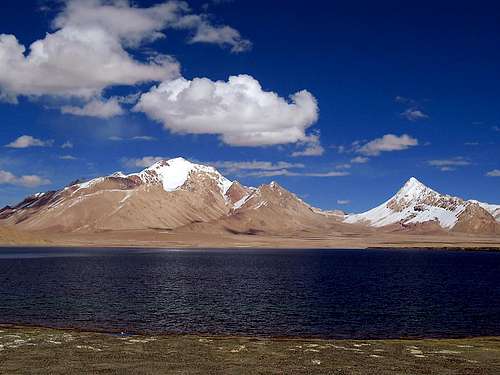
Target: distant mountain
(417, 205)
(169, 194)
(166, 195)
(179, 195)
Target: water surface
(327, 293)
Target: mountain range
(177, 195)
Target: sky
(339, 102)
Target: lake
(324, 293)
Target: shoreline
(493, 248)
(203, 240)
(138, 333)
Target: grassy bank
(26, 350)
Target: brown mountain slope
(272, 210)
(120, 202)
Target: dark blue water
(328, 293)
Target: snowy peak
(415, 203)
(174, 173)
(413, 189)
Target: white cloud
(343, 201)
(341, 149)
(286, 172)
(221, 35)
(88, 50)
(96, 108)
(413, 114)
(143, 162)
(25, 141)
(143, 138)
(404, 100)
(388, 142)
(67, 157)
(7, 177)
(67, 144)
(493, 173)
(449, 164)
(236, 166)
(360, 160)
(343, 166)
(74, 62)
(134, 138)
(270, 169)
(313, 147)
(239, 110)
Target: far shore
(62, 351)
(194, 240)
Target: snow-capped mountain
(181, 195)
(416, 204)
(167, 195)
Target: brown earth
(226, 239)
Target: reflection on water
(329, 293)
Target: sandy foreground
(167, 239)
(27, 350)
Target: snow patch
(174, 173)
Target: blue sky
(391, 92)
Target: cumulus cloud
(388, 142)
(7, 177)
(360, 160)
(67, 144)
(238, 110)
(312, 147)
(67, 157)
(74, 62)
(449, 164)
(96, 108)
(88, 48)
(413, 114)
(25, 141)
(493, 173)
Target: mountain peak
(173, 173)
(413, 182)
(179, 161)
(413, 189)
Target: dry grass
(46, 351)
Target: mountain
(179, 196)
(167, 195)
(416, 206)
